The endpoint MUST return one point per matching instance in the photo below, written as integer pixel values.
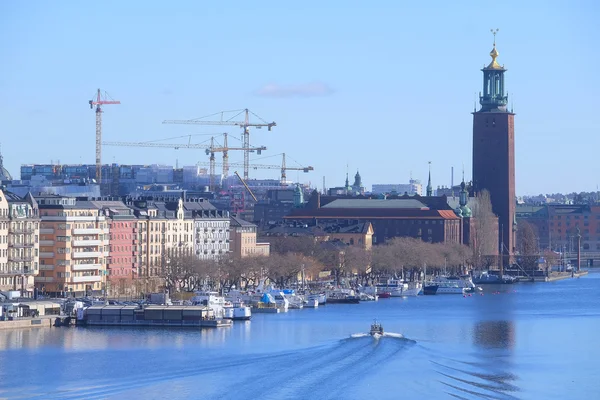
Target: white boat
(376, 330)
(395, 287)
(448, 286)
(237, 311)
(212, 300)
(311, 303)
(321, 298)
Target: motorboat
(430, 289)
(237, 311)
(342, 297)
(368, 297)
(321, 298)
(376, 329)
(311, 303)
(384, 295)
(395, 287)
(487, 278)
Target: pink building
(122, 265)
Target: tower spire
(429, 187)
(493, 97)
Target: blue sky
(381, 86)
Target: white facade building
(211, 234)
(411, 188)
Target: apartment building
(243, 239)
(164, 229)
(74, 246)
(122, 260)
(19, 230)
(211, 230)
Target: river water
(536, 341)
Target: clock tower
(494, 151)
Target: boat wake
(385, 334)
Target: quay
(557, 276)
(42, 322)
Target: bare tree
(484, 231)
(528, 245)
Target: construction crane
(210, 150)
(283, 167)
(246, 186)
(245, 125)
(99, 102)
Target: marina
(491, 346)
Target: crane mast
(245, 124)
(99, 102)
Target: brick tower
(494, 151)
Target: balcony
(17, 272)
(47, 254)
(46, 231)
(18, 258)
(83, 279)
(43, 279)
(23, 230)
(85, 267)
(46, 267)
(21, 245)
(87, 231)
(46, 242)
(84, 243)
(85, 254)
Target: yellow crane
(283, 167)
(245, 124)
(210, 150)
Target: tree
(484, 231)
(528, 245)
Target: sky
(382, 87)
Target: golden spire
(494, 53)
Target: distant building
(411, 188)
(400, 217)
(243, 239)
(360, 234)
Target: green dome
(466, 211)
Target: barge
(176, 316)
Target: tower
(429, 187)
(494, 150)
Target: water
(537, 341)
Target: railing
(80, 279)
(47, 254)
(87, 231)
(85, 267)
(46, 242)
(90, 242)
(23, 230)
(21, 245)
(46, 231)
(43, 279)
(20, 258)
(46, 267)
(86, 254)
